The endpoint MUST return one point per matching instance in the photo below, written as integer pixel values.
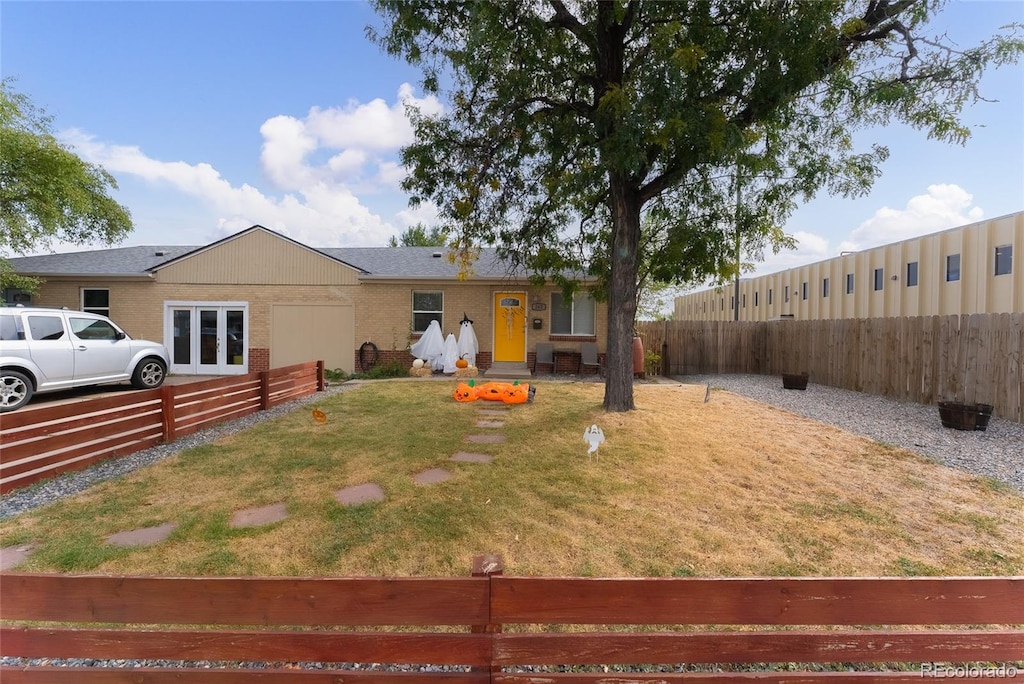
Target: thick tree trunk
(625, 238)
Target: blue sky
(214, 116)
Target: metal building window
(1004, 260)
(879, 279)
(803, 291)
(755, 297)
(824, 288)
(849, 283)
(912, 274)
(785, 295)
(769, 296)
(952, 268)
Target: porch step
(508, 371)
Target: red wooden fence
(733, 628)
(36, 444)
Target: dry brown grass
(731, 487)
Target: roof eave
(118, 276)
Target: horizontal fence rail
(490, 627)
(40, 443)
(976, 358)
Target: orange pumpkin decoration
(465, 392)
(462, 363)
(493, 391)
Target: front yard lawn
(681, 488)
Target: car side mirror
(120, 335)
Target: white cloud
(364, 135)
(944, 206)
(320, 204)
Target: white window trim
(572, 317)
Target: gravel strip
(997, 452)
(47, 492)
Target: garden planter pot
(984, 414)
(794, 381)
(964, 416)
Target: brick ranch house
(258, 299)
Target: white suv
(44, 350)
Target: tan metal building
(963, 270)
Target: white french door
(207, 338)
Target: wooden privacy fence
(36, 444)
(971, 358)
(508, 630)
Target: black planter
(984, 414)
(964, 416)
(794, 381)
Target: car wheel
(15, 390)
(149, 373)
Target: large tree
(420, 236)
(47, 192)
(569, 121)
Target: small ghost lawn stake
(593, 436)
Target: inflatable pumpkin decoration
(465, 391)
(493, 391)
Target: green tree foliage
(46, 191)
(570, 121)
(421, 236)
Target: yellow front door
(510, 327)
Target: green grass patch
(676, 492)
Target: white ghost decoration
(451, 354)
(468, 346)
(593, 436)
(430, 346)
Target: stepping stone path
(254, 517)
(467, 457)
(142, 537)
(493, 412)
(432, 476)
(12, 555)
(485, 439)
(360, 494)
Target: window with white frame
(849, 283)
(427, 306)
(96, 300)
(575, 316)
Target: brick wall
(259, 359)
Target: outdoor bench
(509, 630)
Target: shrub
(652, 363)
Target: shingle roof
(116, 261)
(416, 262)
(378, 262)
